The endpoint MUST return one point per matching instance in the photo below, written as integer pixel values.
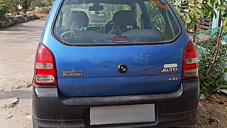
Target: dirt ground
(214, 113)
(17, 52)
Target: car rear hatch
(140, 51)
(94, 71)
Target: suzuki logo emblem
(122, 68)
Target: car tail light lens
(45, 73)
(190, 62)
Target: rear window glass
(97, 22)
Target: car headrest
(79, 17)
(124, 18)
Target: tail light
(45, 73)
(190, 62)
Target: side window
(155, 16)
(162, 18)
(112, 9)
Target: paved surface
(17, 52)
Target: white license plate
(122, 114)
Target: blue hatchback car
(135, 68)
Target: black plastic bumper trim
(121, 100)
(50, 108)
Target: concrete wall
(10, 21)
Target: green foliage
(196, 9)
(2, 9)
(155, 15)
(199, 9)
(111, 9)
(221, 6)
(206, 50)
(212, 51)
(25, 5)
(42, 3)
(11, 6)
(38, 4)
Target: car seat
(78, 20)
(123, 21)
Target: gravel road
(17, 50)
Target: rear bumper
(172, 109)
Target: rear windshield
(104, 22)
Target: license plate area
(122, 114)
